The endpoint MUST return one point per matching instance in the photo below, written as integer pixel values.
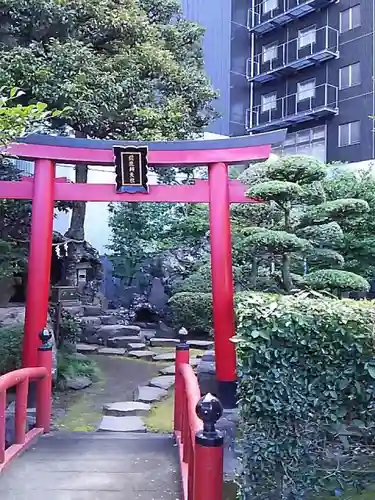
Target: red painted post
(21, 411)
(44, 387)
(40, 254)
(222, 282)
(2, 425)
(182, 356)
(209, 452)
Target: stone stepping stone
(123, 341)
(111, 351)
(147, 355)
(157, 342)
(200, 344)
(147, 334)
(87, 348)
(93, 311)
(169, 370)
(147, 394)
(208, 356)
(122, 424)
(136, 346)
(127, 409)
(168, 356)
(165, 382)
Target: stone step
(122, 424)
(127, 409)
(147, 394)
(123, 341)
(160, 342)
(164, 382)
(168, 356)
(112, 351)
(168, 370)
(136, 346)
(87, 348)
(109, 320)
(147, 334)
(145, 355)
(200, 344)
(93, 311)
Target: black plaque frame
(131, 169)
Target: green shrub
(334, 279)
(200, 281)
(192, 311)
(306, 393)
(68, 366)
(10, 348)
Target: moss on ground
(160, 418)
(80, 417)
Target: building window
(310, 142)
(350, 18)
(269, 6)
(269, 102)
(349, 133)
(269, 52)
(350, 76)
(305, 90)
(306, 37)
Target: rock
(10, 437)
(147, 334)
(109, 320)
(146, 355)
(165, 382)
(128, 409)
(122, 341)
(87, 348)
(122, 424)
(93, 311)
(169, 356)
(200, 344)
(206, 367)
(169, 370)
(74, 310)
(111, 351)
(77, 383)
(90, 321)
(136, 346)
(110, 331)
(159, 342)
(148, 394)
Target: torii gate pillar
(222, 283)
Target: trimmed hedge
(192, 311)
(306, 393)
(10, 348)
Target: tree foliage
(296, 229)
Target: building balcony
(293, 109)
(270, 15)
(309, 49)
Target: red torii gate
(219, 192)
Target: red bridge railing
(42, 377)
(201, 446)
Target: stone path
(95, 466)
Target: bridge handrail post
(209, 451)
(44, 387)
(182, 357)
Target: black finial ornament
(131, 169)
(209, 410)
(45, 336)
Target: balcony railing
(297, 54)
(294, 108)
(264, 18)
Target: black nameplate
(131, 169)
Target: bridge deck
(95, 466)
